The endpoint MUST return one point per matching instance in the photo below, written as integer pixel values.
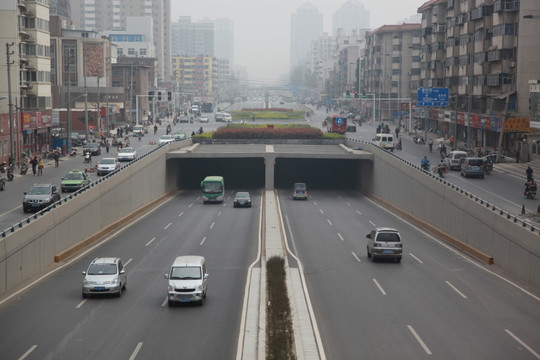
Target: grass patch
(280, 344)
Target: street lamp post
(10, 105)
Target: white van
(188, 280)
(386, 141)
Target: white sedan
(126, 154)
(107, 165)
(165, 139)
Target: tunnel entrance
(239, 173)
(317, 173)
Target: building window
(119, 51)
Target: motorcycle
(88, 157)
(441, 170)
(425, 165)
(530, 190)
(9, 170)
(488, 166)
(73, 152)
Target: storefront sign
(516, 125)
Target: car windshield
(107, 161)
(242, 195)
(74, 176)
(212, 187)
(126, 150)
(388, 237)
(186, 273)
(102, 269)
(39, 190)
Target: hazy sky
(262, 27)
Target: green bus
(213, 189)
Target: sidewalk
(518, 169)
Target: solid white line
(164, 302)
(32, 348)
(523, 344)
(341, 237)
(322, 212)
(372, 223)
(127, 262)
(166, 227)
(379, 286)
(348, 203)
(355, 256)
(330, 222)
(358, 212)
(456, 290)
(136, 351)
(148, 243)
(212, 225)
(190, 205)
(448, 247)
(182, 213)
(417, 259)
(426, 349)
(203, 240)
(81, 304)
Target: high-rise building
(350, 16)
(192, 38)
(224, 40)
(306, 26)
(112, 15)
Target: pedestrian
(56, 158)
(40, 167)
(517, 156)
(34, 163)
(529, 173)
(107, 145)
(397, 131)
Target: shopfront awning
(504, 96)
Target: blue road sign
(339, 121)
(435, 97)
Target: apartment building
(195, 74)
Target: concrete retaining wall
(515, 248)
(30, 249)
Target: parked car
(127, 154)
(384, 243)
(188, 280)
(453, 159)
(165, 139)
(105, 275)
(94, 148)
(40, 196)
(242, 199)
(180, 135)
(473, 167)
(107, 165)
(300, 191)
(74, 180)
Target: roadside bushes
(268, 115)
(268, 133)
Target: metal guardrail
(461, 191)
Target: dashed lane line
(455, 289)
(203, 240)
(535, 354)
(419, 339)
(379, 286)
(341, 237)
(355, 256)
(212, 225)
(372, 223)
(415, 258)
(151, 241)
(32, 348)
(182, 213)
(329, 222)
(136, 351)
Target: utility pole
(85, 100)
(130, 91)
(11, 139)
(70, 54)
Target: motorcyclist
(425, 163)
(430, 144)
(200, 130)
(168, 129)
(530, 188)
(443, 150)
(441, 169)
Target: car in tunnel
(300, 191)
(242, 199)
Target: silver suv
(105, 275)
(188, 280)
(384, 243)
(473, 167)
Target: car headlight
(199, 287)
(220, 197)
(114, 282)
(170, 288)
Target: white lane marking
(81, 304)
(372, 223)
(32, 348)
(148, 243)
(355, 256)
(330, 222)
(417, 259)
(379, 286)
(190, 205)
(219, 213)
(164, 302)
(455, 289)
(136, 351)
(127, 262)
(212, 225)
(341, 237)
(182, 213)
(448, 247)
(166, 227)
(523, 344)
(348, 203)
(426, 349)
(358, 212)
(322, 212)
(224, 204)
(315, 203)
(203, 240)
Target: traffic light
(348, 94)
(159, 95)
(169, 96)
(356, 93)
(150, 95)
(363, 94)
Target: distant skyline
(262, 27)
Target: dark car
(94, 148)
(242, 199)
(39, 197)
